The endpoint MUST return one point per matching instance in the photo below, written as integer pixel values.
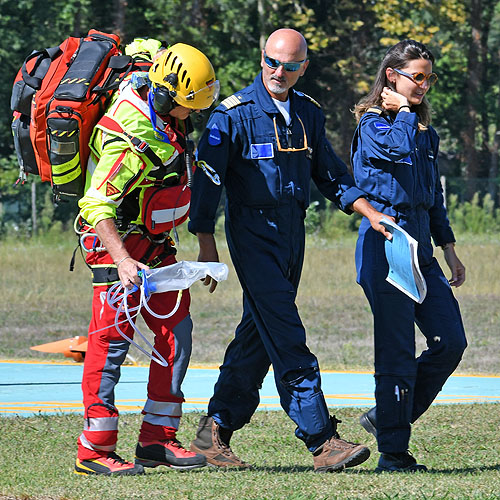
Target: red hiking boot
(169, 453)
(108, 465)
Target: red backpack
(59, 95)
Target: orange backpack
(59, 95)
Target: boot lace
(117, 459)
(341, 443)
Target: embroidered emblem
(214, 137)
(382, 126)
(261, 151)
(111, 190)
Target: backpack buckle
(142, 146)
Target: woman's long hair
(397, 57)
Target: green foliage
(346, 38)
(474, 216)
(329, 222)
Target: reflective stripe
(87, 444)
(163, 408)
(91, 165)
(93, 193)
(168, 214)
(66, 172)
(165, 421)
(101, 424)
(104, 275)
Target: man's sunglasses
(287, 66)
(419, 78)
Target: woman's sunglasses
(287, 66)
(419, 78)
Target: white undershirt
(284, 109)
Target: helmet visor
(202, 98)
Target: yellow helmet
(188, 76)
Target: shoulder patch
(232, 101)
(375, 110)
(214, 137)
(309, 98)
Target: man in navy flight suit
(264, 144)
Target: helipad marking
(29, 388)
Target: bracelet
(447, 245)
(404, 106)
(121, 260)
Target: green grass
(42, 302)
(459, 444)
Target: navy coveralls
(395, 165)
(267, 193)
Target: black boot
(399, 462)
(369, 421)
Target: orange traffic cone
(74, 347)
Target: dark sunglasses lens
(272, 63)
(432, 78)
(293, 66)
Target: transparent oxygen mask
(176, 277)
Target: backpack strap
(142, 147)
(31, 80)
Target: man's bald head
(287, 41)
(283, 46)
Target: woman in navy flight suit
(394, 158)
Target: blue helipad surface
(30, 388)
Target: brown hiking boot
(337, 454)
(208, 442)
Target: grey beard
(276, 88)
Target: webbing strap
(142, 147)
(107, 275)
(104, 275)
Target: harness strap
(107, 274)
(142, 147)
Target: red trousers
(107, 351)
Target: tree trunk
(474, 71)
(495, 146)
(120, 7)
(34, 222)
